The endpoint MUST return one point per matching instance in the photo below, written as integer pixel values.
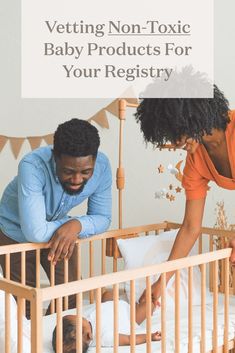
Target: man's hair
(76, 138)
(169, 119)
(69, 338)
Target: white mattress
(49, 324)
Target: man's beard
(71, 192)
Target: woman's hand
(155, 294)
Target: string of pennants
(35, 141)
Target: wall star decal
(178, 189)
(160, 169)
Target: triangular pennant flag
(129, 92)
(101, 119)
(49, 139)
(34, 141)
(113, 107)
(132, 100)
(3, 141)
(16, 144)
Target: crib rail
(119, 233)
(56, 293)
(133, 274)
(87, 249)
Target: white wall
(25, 117)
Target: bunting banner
(48, 139)
(129, 92)
(34, 141)
(16, 144)
(99, 118)
(3, 141)
(113, 108)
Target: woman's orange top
(199, 168)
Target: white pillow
(13, 325)
(153, 249)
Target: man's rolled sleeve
(31, 203)
(93, 225)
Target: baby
(89, 326)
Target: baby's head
(69, 334)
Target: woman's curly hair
(165, 120)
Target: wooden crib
(221, 280)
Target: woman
(205, 128)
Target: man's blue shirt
(34, 204)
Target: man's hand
(155, 293)
(232, 257)
(63, 241)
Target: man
(205, 128)
(50, 182)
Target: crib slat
(177, 311)
(20, 313)
(103, 258)
(163, 312)
(36, 322)
(203, 309)
(115, 317)
(200, 244)
(132, 314)
(66, 279)
(114, 264)
(59, 326)
(38, 268)
(233, 282)
(52, 283)
(7, 306)
(103, 252)
(98, 320)
(190, 310)
(226, 303)
(91, 267)
(222, 246)
(23, 267)
(210, 265)
(7, 323)
(8, 266)
(79, 297)
(79, 272)
(215, 306)
(79, 323)
(23, 273)
(148, 314)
